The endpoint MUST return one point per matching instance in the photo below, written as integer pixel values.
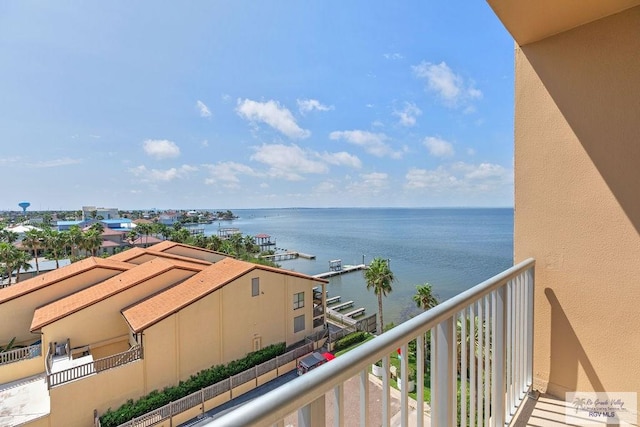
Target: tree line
(76, 244)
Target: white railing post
(529, 279)
(338, 407)
(364, 398)
(386, 395)
(443, 393)
(312, 415)
(420, 380)
(498, 383)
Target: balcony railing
(18, 354)
(476, 348)
(98, 365)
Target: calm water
(453, 249)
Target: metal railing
(18, 354)
(199, 397)
(98, 365)
(474, 350)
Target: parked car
(312, 361)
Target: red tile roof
(68, 305)
(131, 254)
(146, 240)
(152, 310)
(59, 275)
(168, 244)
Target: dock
(333, 300)
(345, 269)
(283, 256)
(355, 313)
(342, 306)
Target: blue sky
(249, 104)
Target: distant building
(105, 213)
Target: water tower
(24, 206)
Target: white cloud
(368, 184)
(307, 105)
(408, 114)
(204, 143)
(449, 86)
(461, 177)
(393, 56)
(273, 114)
(158, 175)
(288, 161)
(161, 148)
(373, 143)
(54, 163)
(227, 173)
(341, 158)
(325, 187)
(438, 147)
(203, 109)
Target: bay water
(452, 249)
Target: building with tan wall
(577, 209)
(115, 329)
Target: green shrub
(349, 340)
(196, 382)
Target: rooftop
(103, 290)
(152, 310)
(61, 274)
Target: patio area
(24, 401)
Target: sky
(254, 104)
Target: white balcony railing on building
(94, 367)
(476, 348)
(22, 353)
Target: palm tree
(74, 239)
(379, 278)
(145, 229)
(33, 240)
(54, 242)
(91, 242)
(424, 297)
(21, 262)
(13, 259)
(8, 236)
(214, 243)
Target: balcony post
(312, 415)
(443, 393)
(498, 372)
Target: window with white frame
(298, 300)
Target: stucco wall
(72, 404)
(221, 327)
(577, 202)
(103, 321)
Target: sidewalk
(352, 406)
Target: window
(298, 300)
(255, 286)
(298, 323)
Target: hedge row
(351, 339)
(202, 379)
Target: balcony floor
(24, 401)
(547, 411)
